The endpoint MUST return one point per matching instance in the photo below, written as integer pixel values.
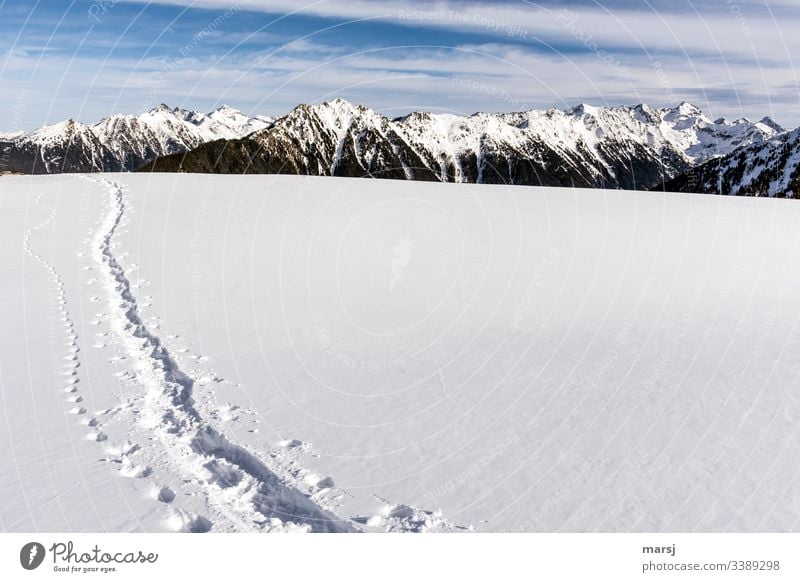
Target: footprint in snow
(208, 379)
(315, 480)
(108, 411)
(408, 519)
(293, 444)
(164, 494)
(133, 470)
(96, 435)
(123, 450)
(223, 474)
(227, 413)
(184, 521)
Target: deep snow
(272, 353)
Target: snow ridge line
(234, 480)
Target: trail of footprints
(232, 472)
(70, 359)
(234, 482)
(123, 454)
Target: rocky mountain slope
(771, 168)
(120, 142)
(615, 147)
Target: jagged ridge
(616, 147)
(771, 168)
(120, 142)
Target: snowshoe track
(234, 480)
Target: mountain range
(638, 147)
(121, 142)
(611, 147)
(770, 168)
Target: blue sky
(87, 59)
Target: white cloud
(679, 57)
(398, 80)
(731, 31)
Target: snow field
(282, 353)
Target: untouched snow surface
(283, 353)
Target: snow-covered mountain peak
(646, 114)
(237, 122)
(586, 109)
(340, 109)
(336, 116)
(685, 116)
(63, 130)
(688, 109)
(598, 140)
(768, 168)
(769, 122)
(126, 142)
(163, 108)
(620, 146)
(343, 105)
